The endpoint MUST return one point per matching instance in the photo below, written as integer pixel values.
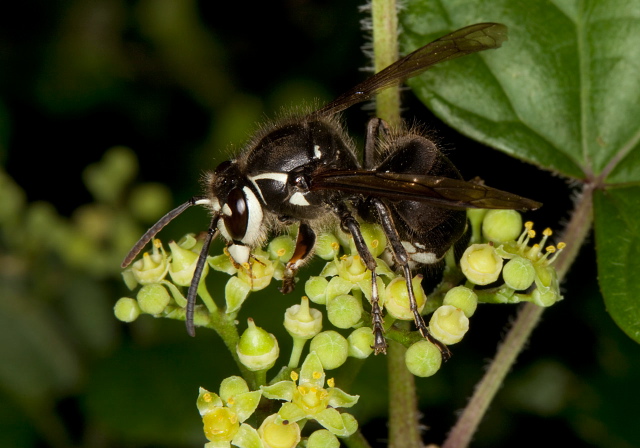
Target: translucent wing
(467, 40)
(441, 191)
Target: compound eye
(238, 218)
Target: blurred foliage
(86, 84)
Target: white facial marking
(214, 204)
(298, 198)
(226, 210)
(254, 207)
(223, 230)
(316, 152)
(239, 253)
(277, 177)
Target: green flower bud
(331, 347)
(151, 268)
(519, 273)
(501, 226)
(183, 264)
(360, 343)
(259, 272)
(374, 238)
(231, 387)
(315, 288)
(257, 349)
(463, 298)
(302, 321)
(327, 246)
(545, 298)
(423, 358)
(397, 297)
(448, 324)
(277, 434)
(281, 248)
(323, 438)
(344, 311)
(126, 309)
(481, 264)
(153, 299)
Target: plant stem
(385, 52)
(404, 428)
(403, 407)
(574, 235)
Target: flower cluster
(305, 398)
(507, 268)
(162, 275)
(499, 266)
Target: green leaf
(617, 213)
(562, 92)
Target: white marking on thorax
(298, 198)
(417, 256)
(240, 253)
(276, 177)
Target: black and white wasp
(304, 170)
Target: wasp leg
(305, 242)
(402, 258)
(351, 225)
(376, 128)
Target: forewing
(440, 191)
(467, 40)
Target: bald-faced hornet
(304, 170)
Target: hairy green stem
(225, 326)
(574, 235)
(403, 409)
(385, 50)
(404, 428)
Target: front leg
(305, 243)
(351, 225)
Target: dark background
(181, 82)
